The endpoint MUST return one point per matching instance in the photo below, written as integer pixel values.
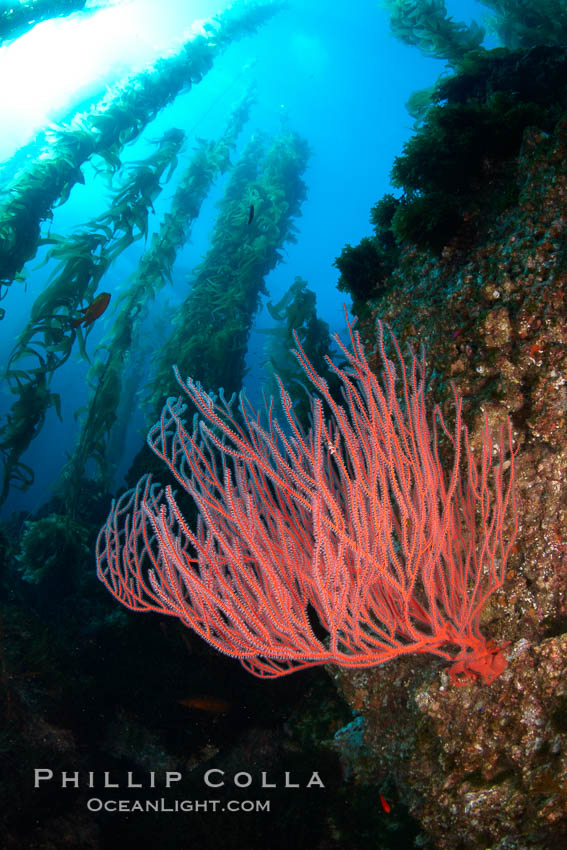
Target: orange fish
(95, 309)
(216, 705)
(385, 804)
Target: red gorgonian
(349, 544)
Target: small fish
(385, 804)
(216, 705)
(251, 214)
(95, 309)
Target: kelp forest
(119, 335)
(183, 435)
(210, 328)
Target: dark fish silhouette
(251, 213)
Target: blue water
(328, 70)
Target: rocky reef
(486, 766)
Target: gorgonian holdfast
(354, 524)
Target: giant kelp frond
(241, 19)
(116, 120)
(212, 326)
(425, 24)
(16, 18)
(83, 257)
(526, 23)
(23, 423)
(154, 270)
(46, 341)
(127, 217)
